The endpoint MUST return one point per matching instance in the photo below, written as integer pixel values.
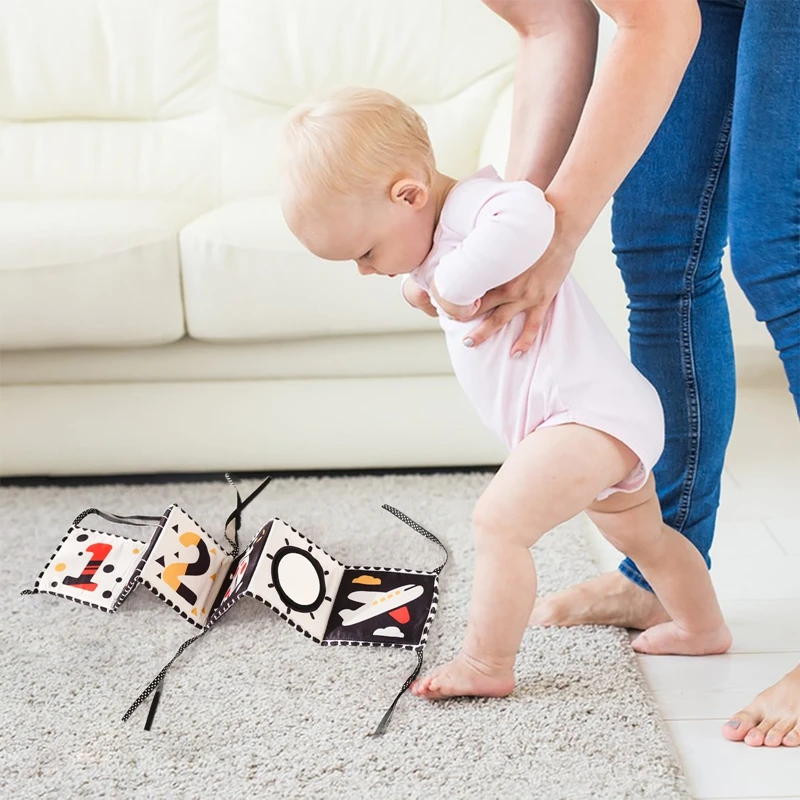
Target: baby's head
(358, 178)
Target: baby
(583, 425)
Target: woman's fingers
(530, 293)
(533, 322)
(493, 322)
(507, 293)
(534, 317)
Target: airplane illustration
(376, 603)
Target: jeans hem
(635, 576)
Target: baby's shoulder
(483, 191)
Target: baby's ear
(410, 192)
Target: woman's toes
(792, 739)
(773, 718)
(755, 738)
(775, 734)
(738, 726)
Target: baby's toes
(424, 686)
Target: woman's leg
(764, 216)
(669, 226)
(765, 253)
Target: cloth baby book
(200, 578)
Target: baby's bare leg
(673, 567)
(554, 474)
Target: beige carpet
(255, 709)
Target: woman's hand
(531, 293)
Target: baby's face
(383, 236)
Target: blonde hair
(357, 141)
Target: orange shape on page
(60, 567)
(367, 580)
(401, 615)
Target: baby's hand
(460, 313)
(416, 296)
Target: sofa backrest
(449, 58)
(185, 98)
(108, 98)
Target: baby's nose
(365, 269)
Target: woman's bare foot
(772, 719)
(464, 677)
(609, 599)
(667, 639)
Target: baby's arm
(512, 230)
(413, 293)
(417, 297)
(420, 298)
(460, 312)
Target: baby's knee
(628, 521)
(491, 522)
(497, 523)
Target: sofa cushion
(376, 356)
(90, 273)
(246, 278)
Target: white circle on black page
(298, 579)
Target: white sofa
(155, 313)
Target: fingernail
(468, 342)
(733, 723)
(518, 354)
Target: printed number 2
(99, 552)
(174, 572)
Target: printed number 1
(99, 553)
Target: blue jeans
(723, 166)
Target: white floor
(756, 571)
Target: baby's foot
(464, 677)
(609, 599)
(772, 719)
(668, 639)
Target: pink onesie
(489, 232)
